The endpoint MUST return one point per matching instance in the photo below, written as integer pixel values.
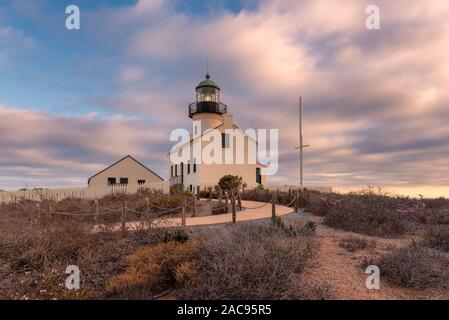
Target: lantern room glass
(208, 94)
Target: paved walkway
(254, 211)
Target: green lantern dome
(207, 83)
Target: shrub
(153, 269)
(277, 221)
(353, 244)
(311, 226)
(219, 208)
(294, 230)
(414, 267)
(178, 236)
(251, 261)
(437, 237)
(316, 204)
(366, 214)
(440, 216)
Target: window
(258, 176)
(225, 140)
(191, 188)
(123, 180)
(111, 181)
(188, 167)
(194, 165)
(176, 170)
(140, 182)
(171, 171)
(182, 168)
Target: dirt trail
(340, 269)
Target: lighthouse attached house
(236, 152)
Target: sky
(375, 102)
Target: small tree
(231, 185)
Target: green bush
(311, 226)
(178, 236)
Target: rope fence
(147, 209)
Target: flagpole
(301, 182)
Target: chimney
(228, 120)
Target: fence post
(227, 202)
(39, 213)
(183, 213)
(194, 206)
(147, 201)
(273, 206)
(50, 211)
(298, 199)
(240, 201)
(96, 213)
(123, 218)
(234, 216)
(297, 202)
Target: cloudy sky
(376, 102)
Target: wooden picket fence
(89, 193)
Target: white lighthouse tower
(211, 113)
(208, 109)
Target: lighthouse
(208, 108)
(210, 117)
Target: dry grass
(437, 237)
(155, 269)
(414, 267)
(353, 244)
(375, 213)
(263, 259)
(34, 254)
(253, 261)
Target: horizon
(375, 110)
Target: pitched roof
(128, 156)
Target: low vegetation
(354, 244)
(414, 266)
(254, 261)
(437, 237)
(247, 261)
(376, 213)
(260, 261)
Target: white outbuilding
(123, 172)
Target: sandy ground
(340, 269)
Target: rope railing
(258, 207)
(73, 212)
(291, 202)
(151, 210)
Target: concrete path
(253, 210)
